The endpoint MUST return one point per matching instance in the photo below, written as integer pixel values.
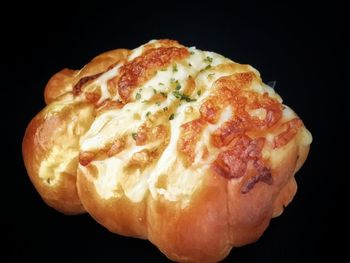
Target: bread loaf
(182, 147)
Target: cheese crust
(180, 146)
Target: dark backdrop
(301, 46)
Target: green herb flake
(178, 86)
(211, 74)
(207, 67)
(199, 92)
(187, 99)
(177, 94)
(154, 91)
(191, 52)
(189, 64)
(208, 59)
(163, 69)
(165, 108)
(158, 103)
(175, 68)
(134, 135)
(172, 116)
(138, 96)
(161, 83)
(172, 80)
(184, 97)
(148, 113)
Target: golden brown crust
(197, 233)
(49, 129)
(64, 80)
(250, 216)
(218, 218)
(59, 84)
(47, 144)
(118, 215)
(103, 61)
(97, 67)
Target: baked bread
(180, 146)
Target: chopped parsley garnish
(211, 74)
(158, 103)
(207, 67)
(134, 135)
(191, 52)
(175, 84)
(199, 92)
(138, 96)
(175, 68)
(177, 94)
(189, 64)
(144, 101)
(178, 86)
(172, 116)
(148, 113)
(184, 97)
(208, 59)
(154, 91)
(165, 108)
(187, 99)
(161, 83)
(163, 69)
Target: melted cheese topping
(62, 156)
(167, 176)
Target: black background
(301, 46)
